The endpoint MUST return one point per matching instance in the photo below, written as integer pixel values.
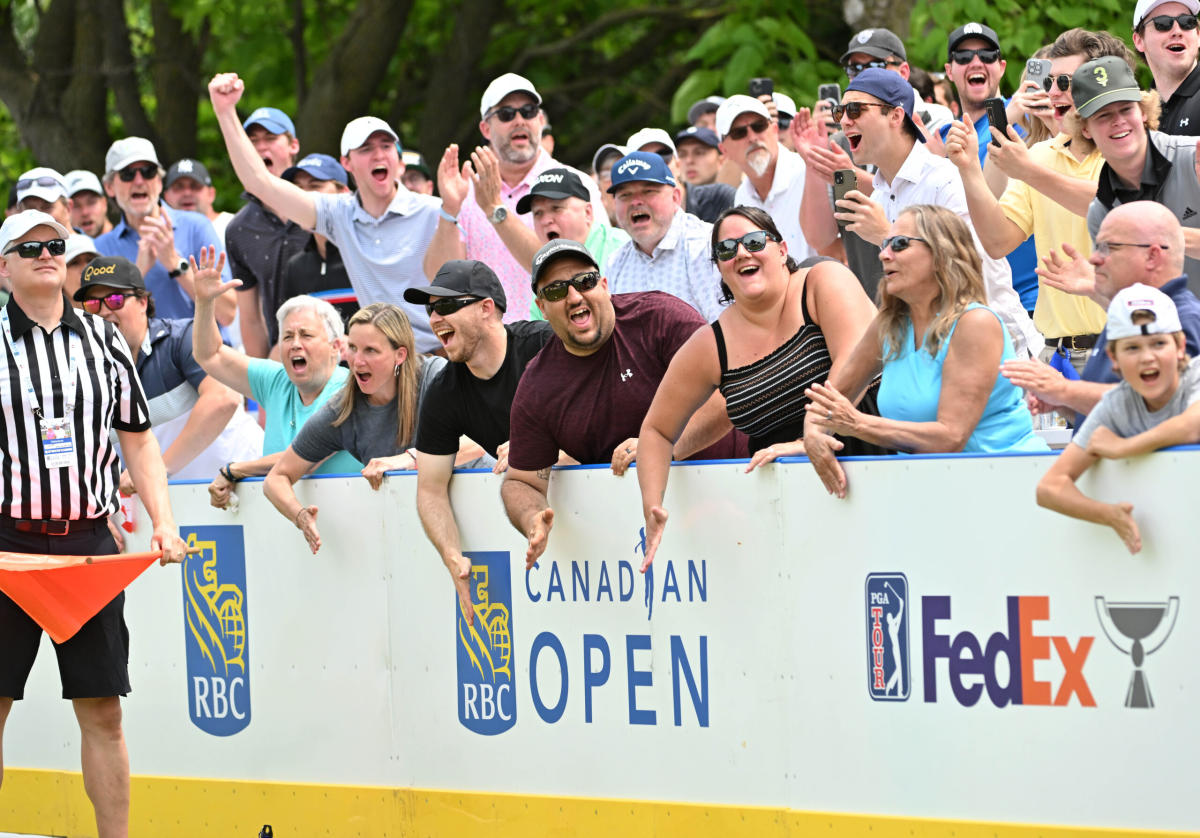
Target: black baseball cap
(460, 277)
(554, 183)
(554, 250)
(972, 30)
(877, 43)
(111, 272)
(700, 134)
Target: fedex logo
(973, 666)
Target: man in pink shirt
(479, 198)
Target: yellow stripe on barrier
(53, 802)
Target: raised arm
(288, 200)
(207, 419)
(998, 234)
(453, 185)
(223, 363)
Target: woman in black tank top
(786, 328)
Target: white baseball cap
(1145, 7)
(81, 180)
(650, 135)
(129, 150)
(79, 244)
(735, 106)
(504, 85)
(43, 183)
(18, 224)
(784, 103)
(357, 131)
(1139, 297)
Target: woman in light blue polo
(941, 392)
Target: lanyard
(74, 344)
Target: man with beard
(89, 206)
(773, 176)
(188, 186)
(479, 199)
(471, 396)
(1166, 35)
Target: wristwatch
(182, 269)
(498, 215)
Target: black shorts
(94, 663)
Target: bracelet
(227, 472)
(453, 219)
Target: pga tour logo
(889, 676)
(632, 166)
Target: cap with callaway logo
(555, 249)
(641, 165)
(458, 278)
(187, 167)
(972, 30)
(111, 272)
(877, 43)
(556, 184)
(1101, 82)
(1141, 298)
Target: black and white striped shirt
(108, 396)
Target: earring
(396, 371)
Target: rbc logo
(487, 701)
(217, 638)
(888, 674)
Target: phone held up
(996, 116)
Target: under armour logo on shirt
(1184, 122)
(626, 375)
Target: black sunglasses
(44, 180)
(148, 172)
(754, 241)
(964, 56)
(758, 126)
(855, 109)
(508, 113)
(899, 244)
(784, 121)
(1063, 81)
(1163, 23)
(449, 305)
(114, 302)
(556, 291)
(854, 68)
(32, 250)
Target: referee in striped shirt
(66, 380)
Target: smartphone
(1037, 70)
(829, 91)
(996, 116)
(761, 87)
(844, 180)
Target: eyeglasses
(44, 180)
(963, 57)
(854, 68)
(508, 113)
(758, 126)
(32, 250)
(1103, 248)
(855, 109)
(449, 305)
(1163, 23)
(899, 244)
(1063, 81)
(754, 241)
(148, 172)
(556, 291)
(113, 302)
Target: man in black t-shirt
(470, 397)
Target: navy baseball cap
(320, 166)
(641, 165)
(694, 132)
(891, 89)
(273, 119)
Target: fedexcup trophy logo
(1138, 629)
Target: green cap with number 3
(1101, 82)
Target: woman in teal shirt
(943, 392)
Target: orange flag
(61, 593)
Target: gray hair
(327, 313)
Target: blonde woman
(939, 348)
(374, 416)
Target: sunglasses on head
(855, 109)
(148, 172)
(754, 241)
(1063, 81)
(986, 55)
(114, 302)
(449, 305)
(556, 291)
(1163, 23)
(508, 113)
(758, 126)
(853, 68)
(44, 180)
(32, 250)
(899, 244)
